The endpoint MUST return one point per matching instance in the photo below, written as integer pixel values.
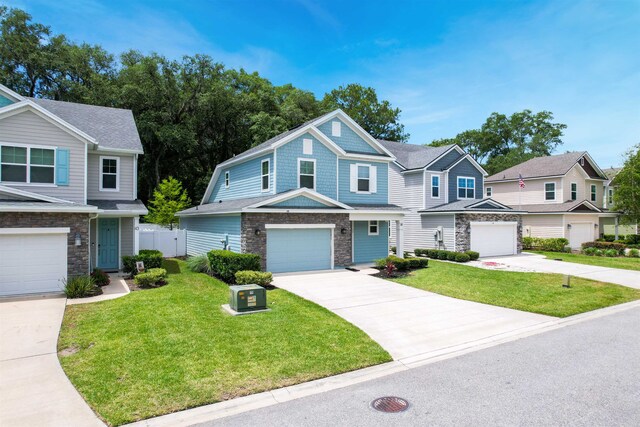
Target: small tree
(626, 197)
(167, 199)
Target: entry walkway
(405, 321)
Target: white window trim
(571, 190)
(307, 147)
(489, 190)
(336, 128)
(315, 172)
(466, 188)
(609, 196)
(28, 165)
(364, 165)
(593, 195)
(439, 186)
(544, 187)
(227, 179)
(369, 224)
(117, 159)
(268, 175)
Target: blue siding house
(313, 198)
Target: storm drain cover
(390, 404)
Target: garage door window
(28, 165)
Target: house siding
(244, 180)
(127, 233)
(445, 161)
(381, 196)
(465, 168)
(429, 201)
(542, 226)
(593, 219)
(368, 248)
(348, 139)
(300, 202)
(126, 178)
(509, 193)
(205, 233)
(575, 175)
(287, 163)
(27, 128)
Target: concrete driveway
(34, 389)
(538, 263)
(409, 323)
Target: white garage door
(494, 238)
(32, 263)
(580, 233)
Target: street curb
(268, 398)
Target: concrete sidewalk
(34, 389)
(405, 321)
(538, 263)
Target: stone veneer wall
(77, 256)
(257, 244)
(463, 234)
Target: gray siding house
(68, 191)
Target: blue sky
(446, 64)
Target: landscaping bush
(612, 237)
(150, 257)
(633, 253)
(632, 239)
(451, 256)
(393, 249)
(619, 247)
(443, 255)
(249, 277)
(418, 262)
(611, 253)
(199, 264)
(473, 255)
(527, 243)
(225, 264)
(151, 278)
(420, 252)
(554, 244)
(81, 287)
(402, 264)
(380, 264)
(100, 278)
(432, 253)
(462, 257)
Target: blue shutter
(62, 166)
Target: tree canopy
(626, 196)
(504, 141)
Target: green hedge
(618, 247)
(402, 264)
(151, 278)
(152, 259)
(225, 264)
(554, 244)
(473, 255)
(249, 277)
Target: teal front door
(108, 243)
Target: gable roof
(546, 166)
(476, 205)
(304, 192)
(411, 156)
(28, 195)
(570, 206)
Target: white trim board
(23, 193)
(36, 230)
(298, 226)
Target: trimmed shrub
(81, 287)
(554, 244)
(225, 264)
(612, 237)
(443, 255)
(633, 253)
(381, 263)
(632, 239)
(473, 255)
(150, 257)
(249, 277)
(462, 257)
(151, 278)
(199, 264)
(432, 253)
(418, 262)
(589, 251)
(451, 256)
(402, 264)
(611, 253)
(527, 243)
(100, 278)
(393, 249)
(420, 252)
(619, 247)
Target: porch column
(616, 227)
(136, 235)
(399, 239)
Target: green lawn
(534, 292)
(625, 263)
(158, 351)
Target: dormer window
(109, 170)
(466, 188)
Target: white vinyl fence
(170, 242)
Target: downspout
(89, 243)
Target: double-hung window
(435, 186)
(227, 180)
(489, 191)
(466, 188)
(265, 174)
(594, 193)
(109, 173)
(610, 197)
(307, 173)
(27, 165)
(364, 178)
(373, 228)
(574, 191)
(550, 191)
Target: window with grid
(574, 191)
(466, 188)
(435, 186)
(550, 191)
(593, 193)
(364, 178)
(265, 175)
(28, 165)
(109, 174)
(307, 174)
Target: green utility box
(247, 298)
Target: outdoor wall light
(257, 232)
(78, 239)
(569, 226)
(343, 231)
(595, 226)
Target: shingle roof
(383, 207)
(118, 205)
(224, 206)
(611, 172)
(553, 207)
(556, 165)
(111, 127)
(467, 205)
(412, 156)
(30, 205)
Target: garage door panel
(580, 233)
(298, 249)
(494, 239)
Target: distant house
(608, 224)
(68, 191)
(563, 195)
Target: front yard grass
(625, 263)
(158, 351)
(534, 292)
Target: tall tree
(626, 197)
(361, 103)
(168, 199)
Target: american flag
(520, 181)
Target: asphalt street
(587, 374)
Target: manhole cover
(390, 404)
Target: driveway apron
(34, 389)
(405, 321)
